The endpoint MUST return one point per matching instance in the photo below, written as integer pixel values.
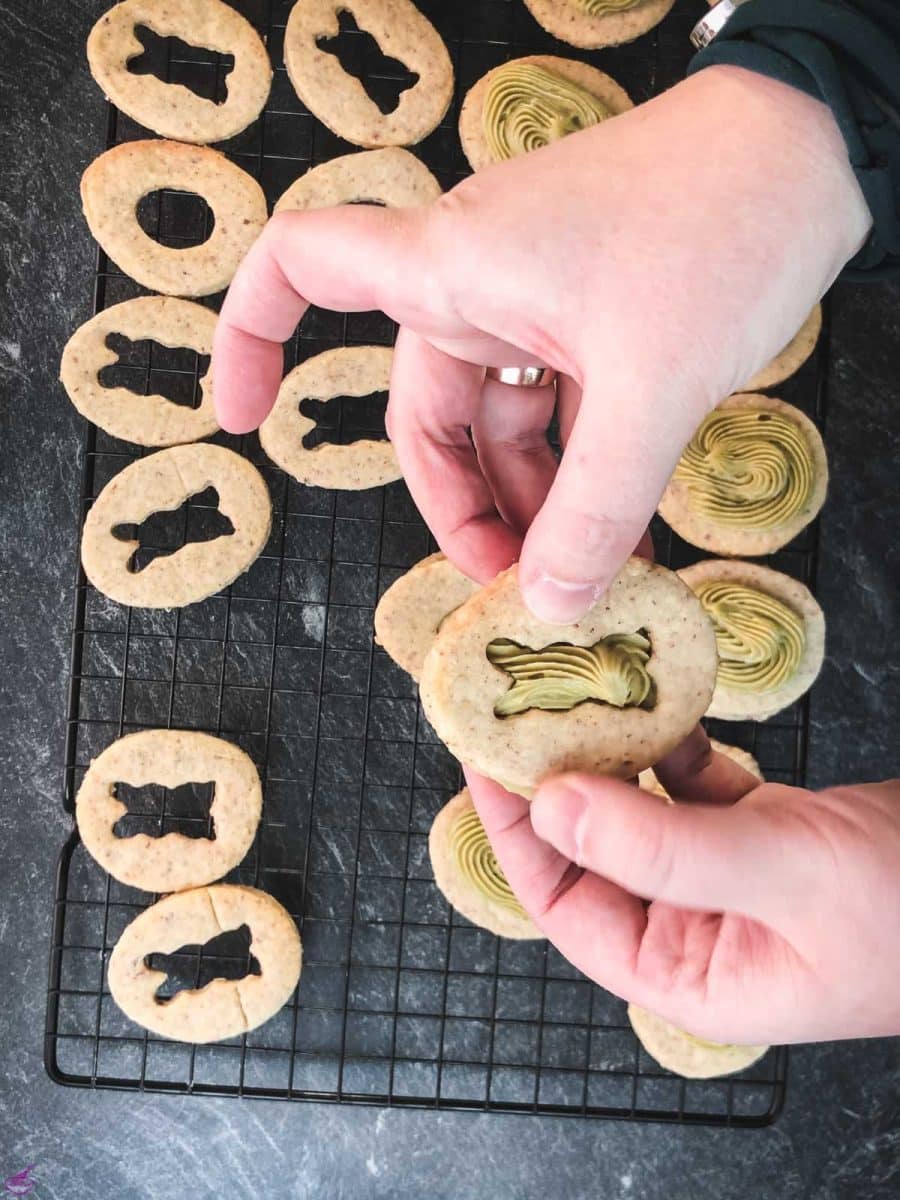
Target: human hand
(774, 912)
(656, 260)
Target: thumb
(352, 259)
(741, 859)
(622, 451)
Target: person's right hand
(656, 260)
(773, 914)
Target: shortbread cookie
(529, 102)
(346, 371)
(391, 176)
(751, 478)
(519, 699)
(146, 420)
(649, 781)
(412, 610)
(225, 1007)
(170, 757)
(339, 100)
(162, 482)
(115, 183)
(593, 23)
(770, 636)
(686, 1055)
(467, 872)
(792, 357)
(170, 109)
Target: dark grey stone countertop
(840, 1134)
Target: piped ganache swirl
(760, 641)
(603, 8)
(477, 863)
(747, 467)
(527, 107)
(612, 671)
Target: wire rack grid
(401, 1001)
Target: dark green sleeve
(846, 53)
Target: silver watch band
(714, 21)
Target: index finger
(350, 259)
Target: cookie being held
(686, 1055)
(770, 636)
(466, 871)
(412, 610)
(529, 102)
(520, 699)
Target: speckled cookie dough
(145, 420)
(411, 611)
(594, 23)
(686, 1055)
(752, 477)
(462, 689)
(792, 357)
(170, 757)
(116, 182)
(468, 874)
(171, 109)
(770, 635)
(346, 371)
(472, 133)
(225, 1007)
(391, 176)
(650, 783)
(162, 482)
(339, 100)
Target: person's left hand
(774, 912)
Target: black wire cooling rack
(401, 1000)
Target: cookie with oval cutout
(339, 100)
(392, 177)
(594, 23)
(792, 357)
(520, 699)
(151, 420)
(223, 1008)
(752, 477)
(115, 183)
(468, 874)
(528, 102)
(410, 613)
(770, 636)
(170, 758)
(649, 781)
(345, 371)
(171, 109)
(686, 1055)
(160, 483)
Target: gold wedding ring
(528, 377)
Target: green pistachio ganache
(748, 468)
(527, 107)
(759, 640)
(612, 671)
(477, 863)
(602, 8)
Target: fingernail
(557, 601)
(558, 816)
